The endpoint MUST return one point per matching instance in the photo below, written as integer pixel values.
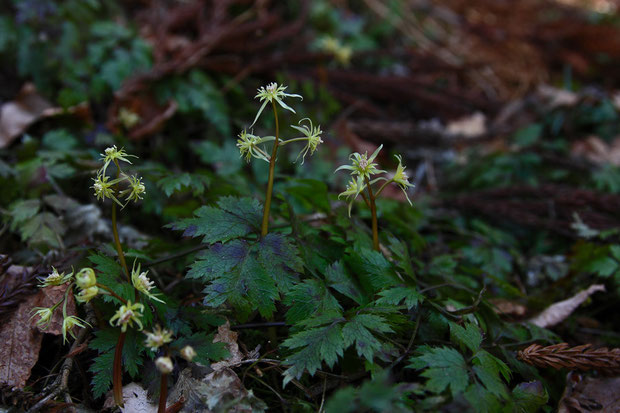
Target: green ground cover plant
(311, 276)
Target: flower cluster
(363, 170)
(83, 280)
(104, 187)
(250, 145)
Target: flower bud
(86, 278)
(188, 353)
(164, 365)
(87, 294)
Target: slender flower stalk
(250, 145)
(363, 169)
(272, 167)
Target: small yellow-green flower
(45, 316)
(68, 323)
(313, 134)
(105, 188)
(127, 315)
(164, 365)
(341, 52)
(362, 165)
(272, 92)
(354, 188)
(142, 283)
(55, 278)
(127, 118)
(135, 191)
(87, 294)
(188, 353)
(157, 338)
(112, 154)
(85, 278)
(248, 146)
(401, 178)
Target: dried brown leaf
(21, 338)
(558, 312)
(226, 335)
(17, 115)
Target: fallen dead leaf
(506, 307)
(226, 335)
(21, 338)
(469, 127)
(15, 116)
(558, 312)
(135, 399)
(218, 391)
(590, 394)
(556, 97)
(597, 150)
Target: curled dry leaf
(21, 338)
(558, 312)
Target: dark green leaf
(233, 218)
(469, 336)
(444, 367)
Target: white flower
(271, 92)
(142, 283)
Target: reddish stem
(117, 370)
(163, 394)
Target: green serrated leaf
(308, 299)
(373, 270)
(233, 218)
(360, 330)
(104, 339)
(396, 295)
(102, 373)
(469, 336)
(175, 183)
(23, 210)
(235, 275)
(322, 344)
(339, 280)
(481, 400)
(444, 367)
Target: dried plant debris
(218, 391)
(21, 338)
(16, 282)
(583, 357)
(590, 394)
(558, 312)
